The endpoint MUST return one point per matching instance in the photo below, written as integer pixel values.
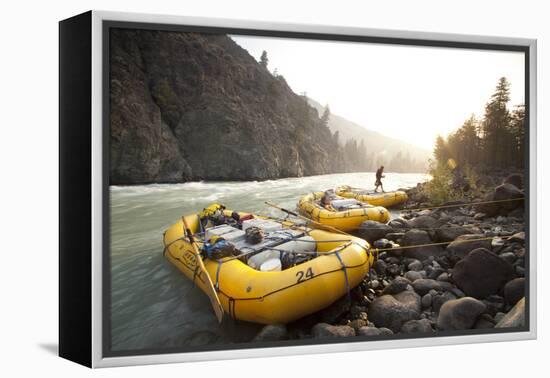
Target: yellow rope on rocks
(467, 226)
(443, 243)
(465, 204)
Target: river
(153, 305)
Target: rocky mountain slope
(187, 106)
(382, 147)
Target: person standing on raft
(379, 176)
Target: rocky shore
(472, 278)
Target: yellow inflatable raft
(347, 220)
(386, 199)
(270, 297)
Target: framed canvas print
(233, 189)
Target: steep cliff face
(188, 106)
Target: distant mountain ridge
(383, 148)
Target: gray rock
(398, 285)
(356, 324)
(415, 265)
(383, 244)
(443, 277)
(483, 323)
(369, 331)
(395, 236)
(441, 298)
(424, 285)
(416, 237)
(515, 317)
(494, 304)
(385, 331)
(399, 224)
(426, 300)
(410, 299)
(272, 332)
(450, 233)
(380, 267)
(435, 272)
(508, 192)
(509, 257)
(417, 326)
(515, 179)
(462, 245)
(479, 216)
(322, 330)
(481, 273)
(387, 311)
(514, 290)
(423, 221)
(412, 275)
(459, 314)
(520, 271)
(489, 209)
(371, 230)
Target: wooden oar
(212, 294)
(320, 225)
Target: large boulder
(399, 224)
(371, 230)
(387, 311)
(515, 179)
(410, 299)
(487, 207)
(423, 222)
(419, 237)
(514, 290)
(272, 332)
(459, 314)
(510, 194)
(322, 330)
(515, 317)
(481, 273)
(450, 233)
(463, 244)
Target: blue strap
(217, 284)
(348, 289)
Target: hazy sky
(411, 93)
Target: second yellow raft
(347, 220)
(386, 199)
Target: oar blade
(211, 291)
(213, 295)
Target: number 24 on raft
(304, 276)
